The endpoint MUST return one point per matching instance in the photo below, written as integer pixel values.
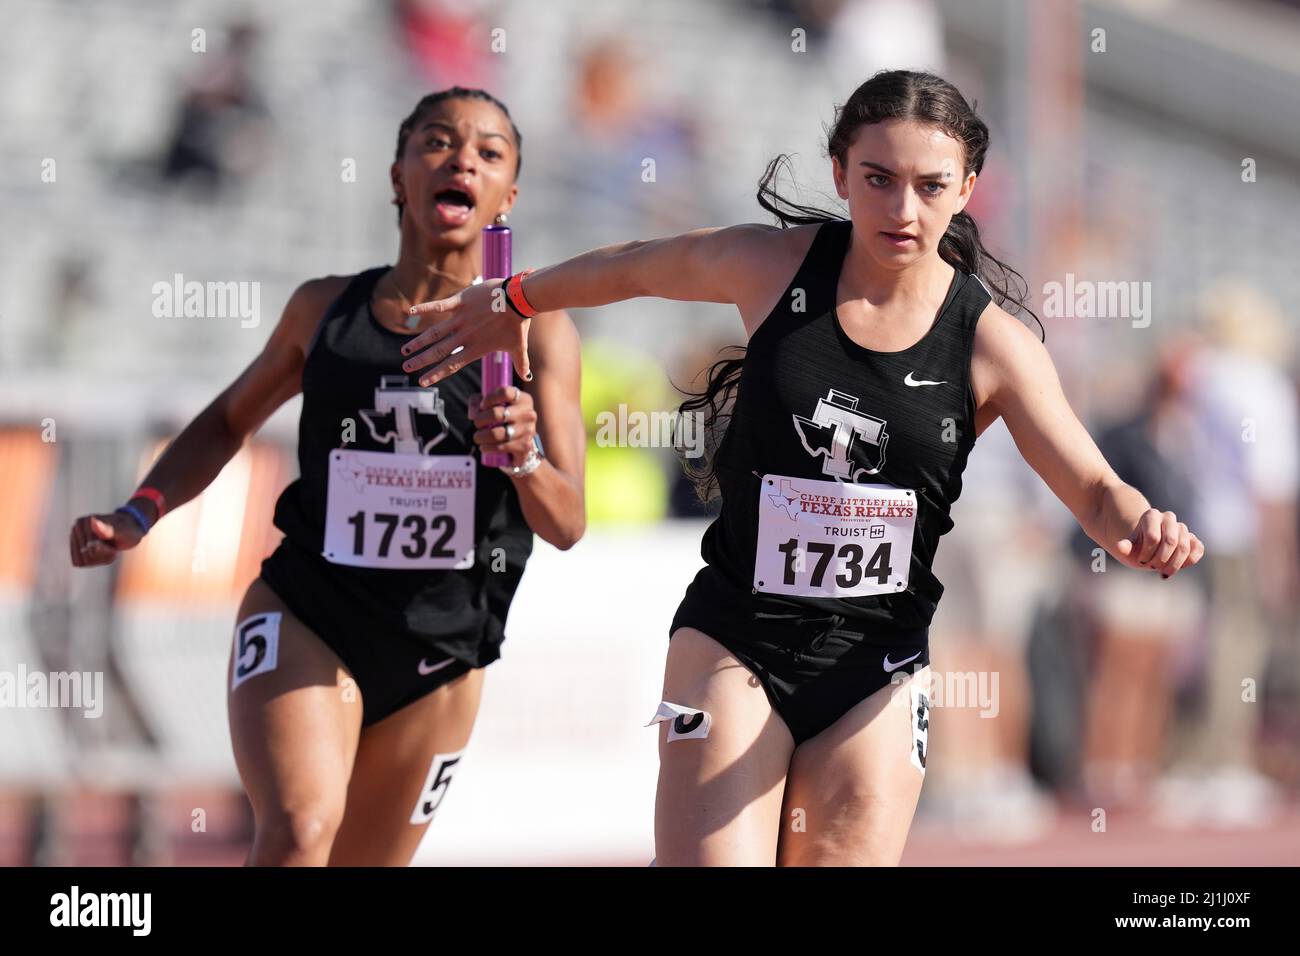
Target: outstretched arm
(703, 265)
(717, 264)
(1025, 390)
(194, 458)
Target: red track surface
(96, 825)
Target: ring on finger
(510, 431)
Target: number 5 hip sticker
(919, 725)
(435, 787)
(257, 645)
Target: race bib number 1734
(833, 539)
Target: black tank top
(352, 359)
(806, 388)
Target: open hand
(467, 326)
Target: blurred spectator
(219, 133)
(1136, 619)
(997, 566)
(448, 41)
(628, 169)
(74, 292)
(1246, 460)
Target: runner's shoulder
(762, 241)
(1006, 354)
(755, 254)
(1002, 337)
(306, 307)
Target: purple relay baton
(498, 370)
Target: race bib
(400, 510)
(832, 539)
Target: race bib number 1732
(833, 539)
(400, 510)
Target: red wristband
(515, 292)
(154, 495)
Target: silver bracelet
(531, 463)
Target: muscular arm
(692, 266)
(729, 264)
(196, 456)
(746, 265)
(1022, 386)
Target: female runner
(358, 654)
(876, 355)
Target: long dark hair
(455, 93)
(889, 94)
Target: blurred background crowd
(1140, 142)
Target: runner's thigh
(719, 798)
(295, 719)
(404, 768)
(854, 787)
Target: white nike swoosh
(893, 667)
(908, 380)
(437, 667)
